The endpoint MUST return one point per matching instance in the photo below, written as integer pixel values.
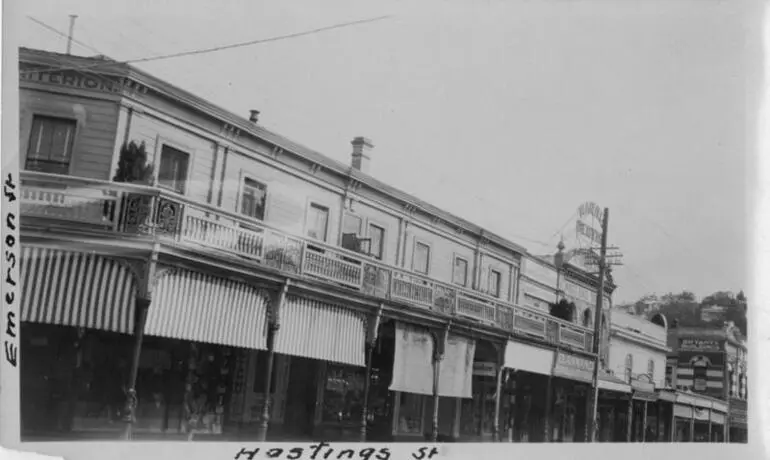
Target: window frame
(239, 199)
(52, 117)
(318, 205)
(160, 144)
(629, 367)
(455, 258)
(418, 241)
(494, 272)
(372, 223)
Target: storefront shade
(192, 306)
(77, 289)
(317, 330)
(412, 360)
(528, 358)
(456, 370)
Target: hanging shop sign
(642, 383)
(573, 367)
(699, 345)
(485, 369)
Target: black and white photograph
(359, 229)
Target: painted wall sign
(590, 208)
(700, 345)
(74, 79)
(573, 367)
(589, 232)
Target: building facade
(713, 362)
(234, 284)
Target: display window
(343, 393)
(411, 411)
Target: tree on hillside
(686, 310)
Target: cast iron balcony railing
(134, 210)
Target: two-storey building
(637, 355)
(236, 284)
(712, 362)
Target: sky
(507, 113)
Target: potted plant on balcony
(134, 168)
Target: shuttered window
(50, 145)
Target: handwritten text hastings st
(324, 451)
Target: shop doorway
(301, 398)
(380, 417)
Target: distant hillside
(685, 308)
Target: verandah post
(146, 281)
(273, 326)
(372, 329)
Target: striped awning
(193, 306)
(77, 289)
(317, 330)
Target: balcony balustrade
(127, 210)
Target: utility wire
(213, 49)
(77, 42)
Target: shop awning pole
(710, 440)
(644, 423)
(672, 426)
(272, 330)
(630, 418)
(143, 300)
(496, 422)
(373, 326)
(692, 425)
(438, 355)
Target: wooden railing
(128, 209)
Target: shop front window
(478, 413)
(410, 413)
(208, 381)
(343, 395)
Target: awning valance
(317, 330)
(609, 383)
(412, 360)
(456, 369)
(201, 308)
(717, 418)
(524, 357)
(682, 411)
(77, 289)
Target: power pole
(72, 29)
(591, 422)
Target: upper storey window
(50, 145)
(253, 199)
(174, 164)
(421, 262)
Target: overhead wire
(62, 34)
(211, 49)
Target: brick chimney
(254, 116)
(361, 156)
